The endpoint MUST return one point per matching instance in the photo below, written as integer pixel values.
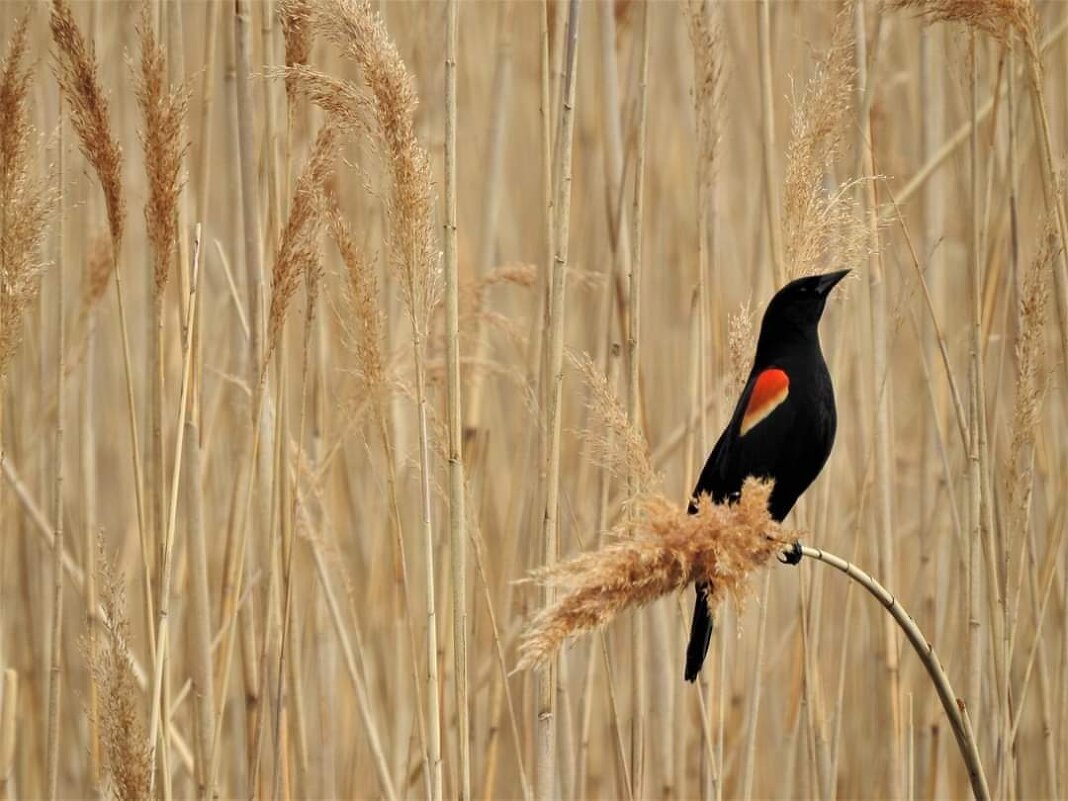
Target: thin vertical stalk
(433, 694)
(200, 612)
(767, 138)
(247, 162)
(249, 185)
(55, 673)
(546, 705)
(880, 377)
(163, 627)
(638, 649)
(457, 518)
(207, 100)
(975, 658)
(491, 203)
(754, 694)
(9, 696)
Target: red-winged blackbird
(783, 426)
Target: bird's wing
(753, 440)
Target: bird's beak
(827, 282)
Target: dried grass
(347, 104)
(612, 439)
(363, 319)
(98, 263)
(1032, 377)
(76, 73)
(820, 223)
(163, 138)
(741, 344)
(25, 200)
(997, 18)
(125, 754)
(706, 36)
(391, 99)
(669, 550)
(299, 251)
(295, 17)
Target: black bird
(783, 426)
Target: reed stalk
(546, 756)
(634, 400)
(955, 709)
(9, 698)
(166, 574)
(880, 377)
(457, 491)
(55, 675)
(767, 140)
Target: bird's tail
(700, 634)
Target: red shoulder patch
(770, 389)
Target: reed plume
(706, 36)
(389, 96)
(125, 757)
(821, 224)
(76, 73)
(666, 551)
(1031, 378)
(614, 442)
(298, 251)
(163, 137)
(25, 200)
(363, 319)
(997, 18)
(295, 17)
(741, 344)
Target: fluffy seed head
(820, 223)
(997, 18)
(76, 72)
(163, 138)
(25, 200)
(298, 250)
(125, 754)
(363, 318)
(668, 551)
(391, 98)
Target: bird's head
(796, 309)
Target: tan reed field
(357, 360)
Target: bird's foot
(792, 555)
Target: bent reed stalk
(955, 708)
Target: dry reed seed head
(98, 263)
(361, 34)
(295, 17)
(820, 221)
(668, 551)
(26, 200)
(741, 344)
(614, 442)
(125, 755)
(706, 36)
(163, 138)
(473, 292)
(298, 251)
(1032, 374)
(363, 320)
(76, 72)
(15, 80)
(997, 18)
(345, 103)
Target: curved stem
(955, 708)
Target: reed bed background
(325, 323)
